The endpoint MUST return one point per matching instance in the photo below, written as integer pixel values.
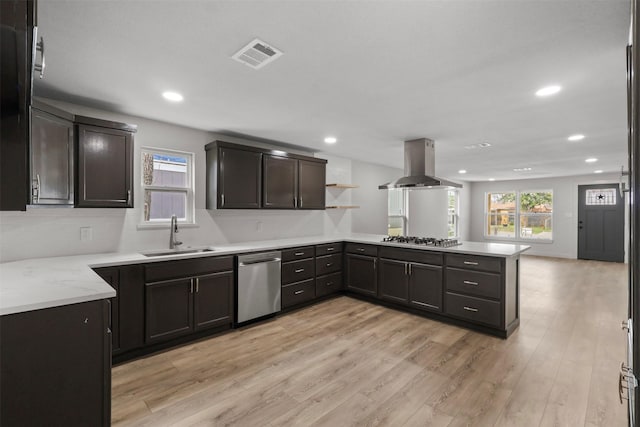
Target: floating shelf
(342, 186)
(342, 207)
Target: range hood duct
(419, 168)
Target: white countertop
(38, 283)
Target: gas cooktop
(426, 241)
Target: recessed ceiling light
(521, 169)
(598, 171)
(591, 160)
(548, 90)
(330, 140)
(577, 137)
(172, 96)
(462, 171)
(492, 179)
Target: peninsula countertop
(38, 283)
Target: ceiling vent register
(257, 54)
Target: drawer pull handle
(329, 264)
(301, 291)
(331, 249)
(361, 249)
(470, 309)
(299, 253)
(300, 270)
(468, 282)
(471, 263)
(329, 283)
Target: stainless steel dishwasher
(259, 291)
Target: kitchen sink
(176, 252)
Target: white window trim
(404, 214)
(517, 229)
(189, 190)
(456, 214)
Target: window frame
(404, 211)
(188, 190)
(518, 237)
(455, 216)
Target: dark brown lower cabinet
(55, 366)
(182, 306)
(213, 300)
(127, 307)
(169, 309)
(425, 286)
(394, 281)
(361, 274)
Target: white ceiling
(371, 73)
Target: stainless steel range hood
(419, 168)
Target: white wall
(44, 232)
(372, 216)
(565, 210)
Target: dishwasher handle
(260, 261)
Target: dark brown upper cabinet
(280, 182)
(52, 156)
(18, 29)
(311, 184)
(234, 177)
(105, 164)
(244, 177)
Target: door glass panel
(606, 196)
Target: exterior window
(452, 213)
(536, 209)
(167, 183)
(397, 212)
(520, 215)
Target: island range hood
(419, 168)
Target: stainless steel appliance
(259, 291)
(425, 241)
(419, 168)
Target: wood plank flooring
(345, 362)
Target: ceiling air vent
(257, 54)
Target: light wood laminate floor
(346, 362)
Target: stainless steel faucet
(173, 229)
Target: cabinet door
(17, 18)
(280, 182)
(239, 179)
(131, 307)
(213, 300)
(169, 309)
(55, 367)
(361, 274)
(105, 167)
(111, 275)
(51, 159)
(425, 287)
(393, 281)
(311, 184)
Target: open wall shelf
(342, 186)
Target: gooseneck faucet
(173, 229)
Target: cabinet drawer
(186, 268)
(357, 248)
(473, 282)
(328, 249)
(415, 255)
(298, 253)
(297, 271)
(328, 264)
(328, 284)
(474, 309)
(297, 293)
(474, 262)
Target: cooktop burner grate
(426, 241)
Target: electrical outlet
(258, 226)
(86, 234)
